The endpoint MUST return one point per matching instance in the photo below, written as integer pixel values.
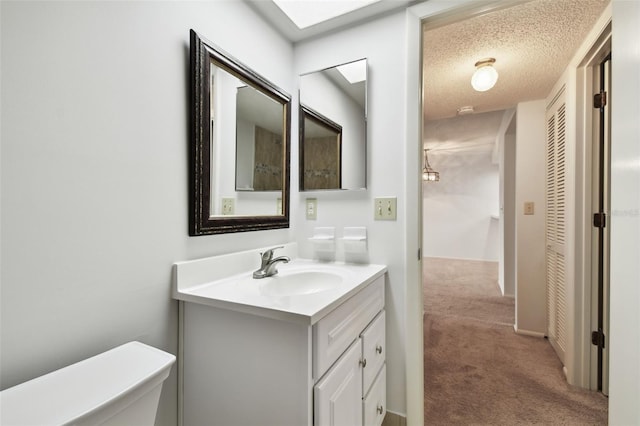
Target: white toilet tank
(118, 387)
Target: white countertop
(241, 292)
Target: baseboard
(527, 332)
(393, 419)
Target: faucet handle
(267, 255)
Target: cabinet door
(373, 350)
(338, 396)
(375, 403)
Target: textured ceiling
(532, 43)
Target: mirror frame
(307, 113)
(202, 52)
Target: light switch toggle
(228, 206)
(385, 208)
(528, 207)
(311, 208)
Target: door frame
(586, 354)
(600, 254)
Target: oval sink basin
(294, 283)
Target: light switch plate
(385, 208)
(528, 207)
(311, 208)
(228, 206)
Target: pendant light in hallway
(428, 174)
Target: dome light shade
(485, 76)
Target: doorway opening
(433, 73)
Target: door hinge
(600, 220)
(600, 99)
(597, 338)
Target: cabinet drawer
(373, 350)
(336, 331)
(375, 403)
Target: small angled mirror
(335, 100)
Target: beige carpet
(465, 289)
(477, 370)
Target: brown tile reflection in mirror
(322, 163)
(267, 175)
(320, 151)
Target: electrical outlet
(528, 207)
(385, 208)
(312, 208)
(228, 206)
(279, 206)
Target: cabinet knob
(363, 362)
(379, 349)
(380, 409)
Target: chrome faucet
(268, 263)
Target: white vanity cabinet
(240, 366)
(353, 391)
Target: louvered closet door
(556, 226)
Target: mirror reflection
(248, 149)
(259, 147)
(321, 159)
(331, 99)
(240, 146)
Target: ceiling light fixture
(428, 174)
(465, 110)
(485, 76)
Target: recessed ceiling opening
(306, 13)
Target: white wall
(461, 210)
(530, 229)
(508, 210)
(381, 42)
(624, 382)
(245, 154)
(94, 172)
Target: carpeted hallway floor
(477, 370)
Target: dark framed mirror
(338, 95)
(320, 151)
(240, 146)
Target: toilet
(118, 387)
